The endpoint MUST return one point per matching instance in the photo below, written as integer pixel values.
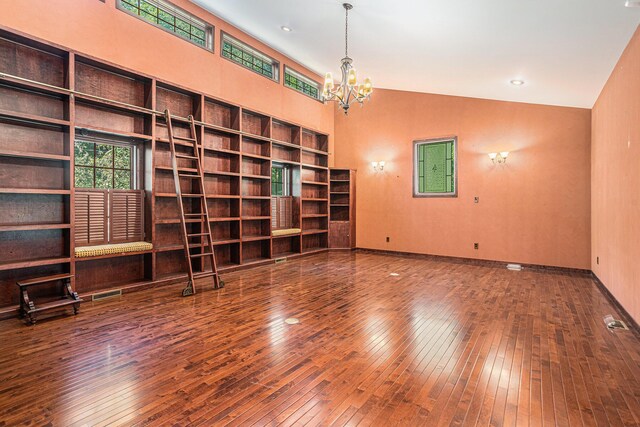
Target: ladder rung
(183, 138)
(191, 195)
(194, 214)
(197, 234)
(187, 170)
(205, 274)
(188, 175)
(200, 255)
(184, 156)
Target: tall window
(281, 200)
(103, 166)
(243, 54)
(301, 83)
(172, 19)
(108, 208)
(435, 168)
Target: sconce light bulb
(504, 154)
(493, 156)
(375, 165)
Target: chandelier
(348, 91)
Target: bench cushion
(116, 248)
(285, 231)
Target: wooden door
(339, 232)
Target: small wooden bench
(68, 298)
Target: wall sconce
(500, 157)
(378, 166)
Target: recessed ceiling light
(517, 82)
(285, 28)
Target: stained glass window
(250, 58)
(103, 166)
(302, 84)
(171, 18)
(435, 168)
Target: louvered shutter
(126, 220)
(91, 217)
(281, 214)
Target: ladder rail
(203, 200)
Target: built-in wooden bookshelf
(342, 218)
(51, 96)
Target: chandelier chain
(346, 32)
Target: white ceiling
(563, 49)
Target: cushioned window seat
(115, 248)
(285, 232)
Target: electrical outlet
(476, 246)
(388, 240)
(476, 199)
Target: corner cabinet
(342, 209)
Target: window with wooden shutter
(91, 217)
(125, 216)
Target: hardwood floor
(443, 343)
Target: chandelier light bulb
(368, 86)
(352, 79)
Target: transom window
(435, 168)
(301, 83)
(242, 54)
(171, 18)
(99, 165)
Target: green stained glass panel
(436, 167)
(238, 53)
(179, 23)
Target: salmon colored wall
(100, 30)
(615, 181)
(534, 209)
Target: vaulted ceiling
(564, 50)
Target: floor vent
(514, 267)
(279, 260)
(105, 295)
(614, 323)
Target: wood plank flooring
(442, 343)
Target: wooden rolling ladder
(198, 211)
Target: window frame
(416, 173)
(253, 51)
(300, 76)
(176, 11)
(134, 163)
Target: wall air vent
(104, 295)
(514, 267)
